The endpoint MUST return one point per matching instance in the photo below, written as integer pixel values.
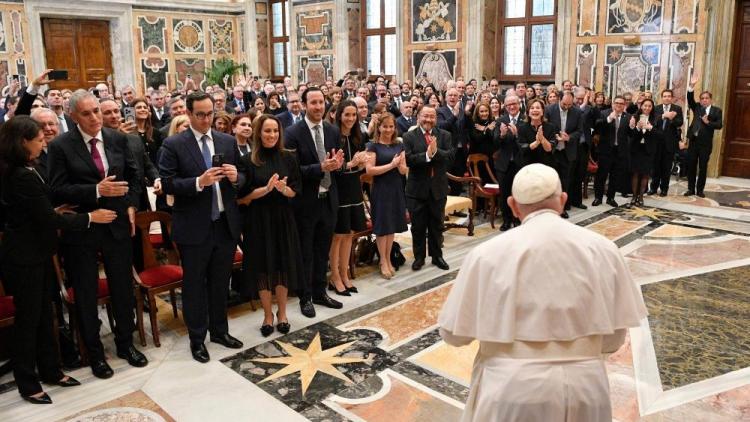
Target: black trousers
(662, 168)
(506, 185)
(82, 269)
(33, 342)
(427, 221)
(458, 168)
(315, 229)
(612, 167)
(697, 161)
(207, 269)
(577, 174)
(563, 167)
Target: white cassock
(545, 300)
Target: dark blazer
(705, 132)
(403, 126)
(73, 177)
(606, 132)
(159, 123)
(651, 137)
(42, 166)
(180, 163)
(670, 128)
(455, 125)
(510, 145)
(299, 139)
(30, 236)
(23, 108)
(428, 180)
(147, 172)
(573, 127)
(287, 119)
(527, 135)
(589, 115)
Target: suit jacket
(527, 135)
(394, 109)
(299, 139)
(42, 165)
(73, 178)
(159, 123)
(650, 137)
(287, 119)
(428, 180)
(573, 127)
(180, 164)
(589, 115)
(403, 126)
(455, 125)
(670, 128)
(511, 146)
(606, 132)
(705, 132)
(147, 172)
(30, 236)
(247, 102)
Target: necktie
(664, 123)
(321, 150)
(513, 120)
(206, 152)
(63, 124)
(158, 114)
(617, 127)
(428, 140)
(96, 157)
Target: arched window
(526, 39)
(280, 47)
(379, 18)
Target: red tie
(96, 157)
(428, 139)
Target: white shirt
(210, 143)
(100, 148)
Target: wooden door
(737, 119)
(79, 46)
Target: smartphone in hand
(217, 160)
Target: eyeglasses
(201, 115)
(511, 104)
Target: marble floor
(380, 358)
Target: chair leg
(173, 299)
(108, 306)
(352, 260)
(139, 315)
(471, 222)
(493, 209)
(152, 315)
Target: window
(379, 36)
(280, 46)
(526, 47)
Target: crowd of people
(277, 171)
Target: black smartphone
(217, 160)
(58, 75)
(114, 171)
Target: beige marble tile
(454, 362)
(614, 227)
(676, 231)
(126, 408)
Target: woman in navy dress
(387, 164)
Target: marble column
(251, 37)
(340, 39)
(564, 47)
(474, 41)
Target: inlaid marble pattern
(675, 231)
(712, 311)
(453, 362)
(221, 36)
(634, 16)
(136, 406)
(153, 34)
(614, 227)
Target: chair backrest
(366, 182)
(143, 221)
(60, 277)
(475, 161)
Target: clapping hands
(333, 161)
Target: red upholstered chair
(68, 296)
(364, 180)
(491, 195)
(7, 318)
(155, 277)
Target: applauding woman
(272, 256)
(387, 163)
(29, 242)
(538, 137)
(645, 133)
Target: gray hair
(79, 95)
(511, 97)
(38, 112)
(579, 90)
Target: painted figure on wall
(631, 16)
(434, 20)
(434, 67)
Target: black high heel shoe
(352, 289)
(266, 329)
(283, 326)
(43, 399)
(62, 382)
(344, 292)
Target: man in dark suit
(240, 101)
(47, 119)
(159, 114)
(317, 146)
(521, 93)
(198, 167)
(349, 89)
(294, 113)
(405, 121)
(671, 116)
(589, 114)
(510, 156)
(569, 120)
(706, 119)
(176, 108)
(429, 154)
(91, 167)
(452, 118)
(613, 150)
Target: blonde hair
(176, 122)
(383, 117)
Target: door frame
(120, 19)
(733, 74)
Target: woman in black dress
(272, 256)
(387, 163)
(645, 133)
(538, 137)
(351, 212)
(29, 242)
(480, 137)
(151, 138)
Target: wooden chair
(155, 277)
(475, 162)
(68, 296)
(458, 203)
(364, 180)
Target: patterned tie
(96, 157)
(617, 127)
(207, 160)
(664, 124)
(321, 150)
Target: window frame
(527, 21)
(380, 31)
(284, 39)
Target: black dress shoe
(227, 341)
(581, 206)
(101, 369)
(597, 202)
(133, 356)
(564, 214)
(325, 300)
(307, 308)
(701, 194)
(70, 382)
(199, 352)
(43, 399)
(688, 193)
(266, 330)
(344, 292)
(440, 263)
(417, 264)
(612, 203)
(505, 226)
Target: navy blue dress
(387, 198)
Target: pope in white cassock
(545, 301)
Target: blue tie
(215, 215)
